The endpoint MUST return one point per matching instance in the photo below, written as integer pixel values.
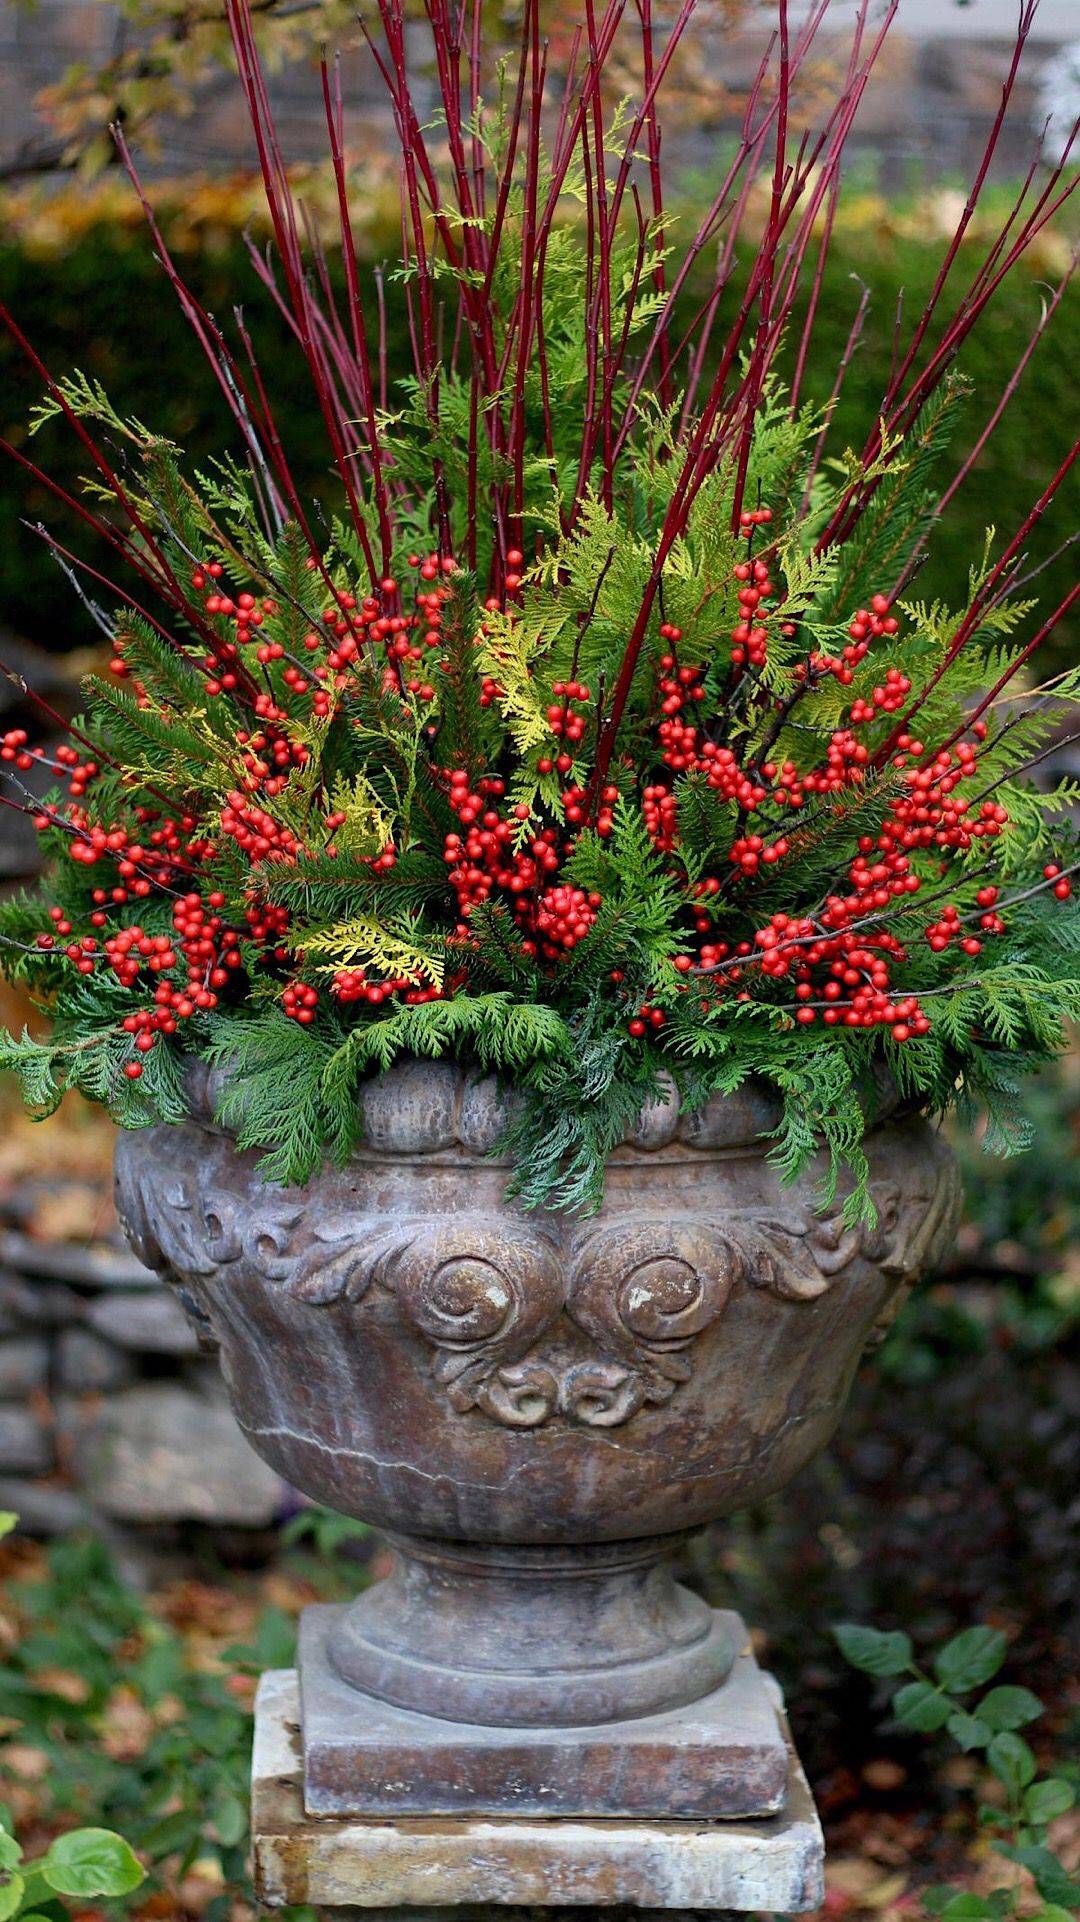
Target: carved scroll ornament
(526, 1322)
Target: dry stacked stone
(108, 1411)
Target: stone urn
(537, 1409)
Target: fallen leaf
(884, 1774)
(27, 1763)
(64, 1683)
(126, 1726)
(863, 1883)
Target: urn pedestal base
(410, 1868)
(531, 1636)
(720, 1756)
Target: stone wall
(931, 103)
(107, 1409)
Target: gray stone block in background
(87, 1323)
(88, 1364)
(43, 1508)
(344, 1866)
(19, 1306)
(25, 1446)
(150, 1321)
(94, 1265)
(24, 1365)
(163, 1453)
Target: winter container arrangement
(529, 915)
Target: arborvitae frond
(274, 1098)
(387, 948)
(464, 739)
(902, 510)
(37, 1065)
(498, 1030)
(578, 1106)
(88, 401)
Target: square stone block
(721, 1756)
(347, 1866)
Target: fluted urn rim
(423, 1106)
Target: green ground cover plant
(949, 1695)
(143, 1725)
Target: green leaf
(970, 1659)
(228, 1812)
(874, 1650)
(8, 1521)
(968, 1907)
(1052, 1879)
(1009, 1707)
(937, 1897)
(921, 1706)
(1011, 1760)
(1046, 1800)
(969, 1730)
(173, 1835)
(11, 1895)
(92, 1862)
(10, 1851)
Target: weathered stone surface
(36, 1304)
(93, 1266)
(341, 1865)
(406, 1345)
(396, 1338)
(86, 1363)
(161, 1453)
(24, 1365)
(481, 1912)
(43, 1508)
(721, 1755)
(531, 1636)
(25, 1446)
(148, 1320)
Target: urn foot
(718, 1757)
(531, 1637)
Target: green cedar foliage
(370, 772)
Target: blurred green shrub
(88, 292)
(1013, 1281)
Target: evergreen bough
(601, 738)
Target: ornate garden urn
(537, 1409)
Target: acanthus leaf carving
(340, 1263)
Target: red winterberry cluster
(565, 724)
(869, 624)
(563, 916)
(750, 638)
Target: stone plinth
(351, 1867)
(721, 1755)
